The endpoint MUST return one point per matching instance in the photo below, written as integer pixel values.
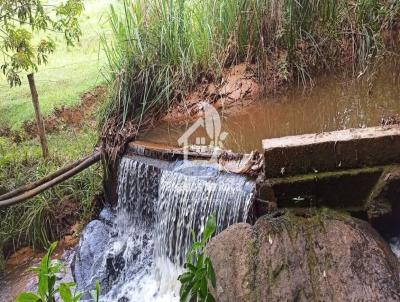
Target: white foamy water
(158, 207)
(395, 246)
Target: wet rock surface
(323, 256)
(89, 257)
(383, 205)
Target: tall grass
(46, 217)
(162, 48)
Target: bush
(40, 220)
(48, 288)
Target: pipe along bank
(28, 191)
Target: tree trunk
(39, 119)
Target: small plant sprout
(48, 288)
(199, 269)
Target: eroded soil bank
(73, 118)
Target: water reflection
(334, 103)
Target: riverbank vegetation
(53, 213)
(161, 50)
(70, 88)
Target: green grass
(161, 49)
(34, 222)
(71, 72)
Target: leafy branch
(20, 20)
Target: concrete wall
(356, 170)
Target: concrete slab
(163, 152)
(331, 151)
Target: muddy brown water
(19, 277)
(334, 103)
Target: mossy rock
(319, 255)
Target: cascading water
(159, 205)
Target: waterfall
(185, 203)
(159, 205)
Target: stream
(335, 103)
(137, 249)
(138, 254)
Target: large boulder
(324, 256)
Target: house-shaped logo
(211, 122)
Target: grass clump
(161, 49)
(50, 215)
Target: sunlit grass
(71, 72)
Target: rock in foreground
(321, 257)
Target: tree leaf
(200, 262)
(96, 293)
(209, 298)
(211, 272)
(203, 287)
(65, 292)
(28, 297)
(210, 228)
(197, 245)
(78, 296)
(185, 293)
(185, 277)
(190, 266)
(45, 274)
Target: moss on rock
(304, 255)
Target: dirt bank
(71, 117)
(237, 87)
(18, 276)
(63, 117)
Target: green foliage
(20, 19)
(2, 260)
(161, 49)
(48, 288)
(39, 221)
(199, 269)
(73, 70)
(96, 292)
